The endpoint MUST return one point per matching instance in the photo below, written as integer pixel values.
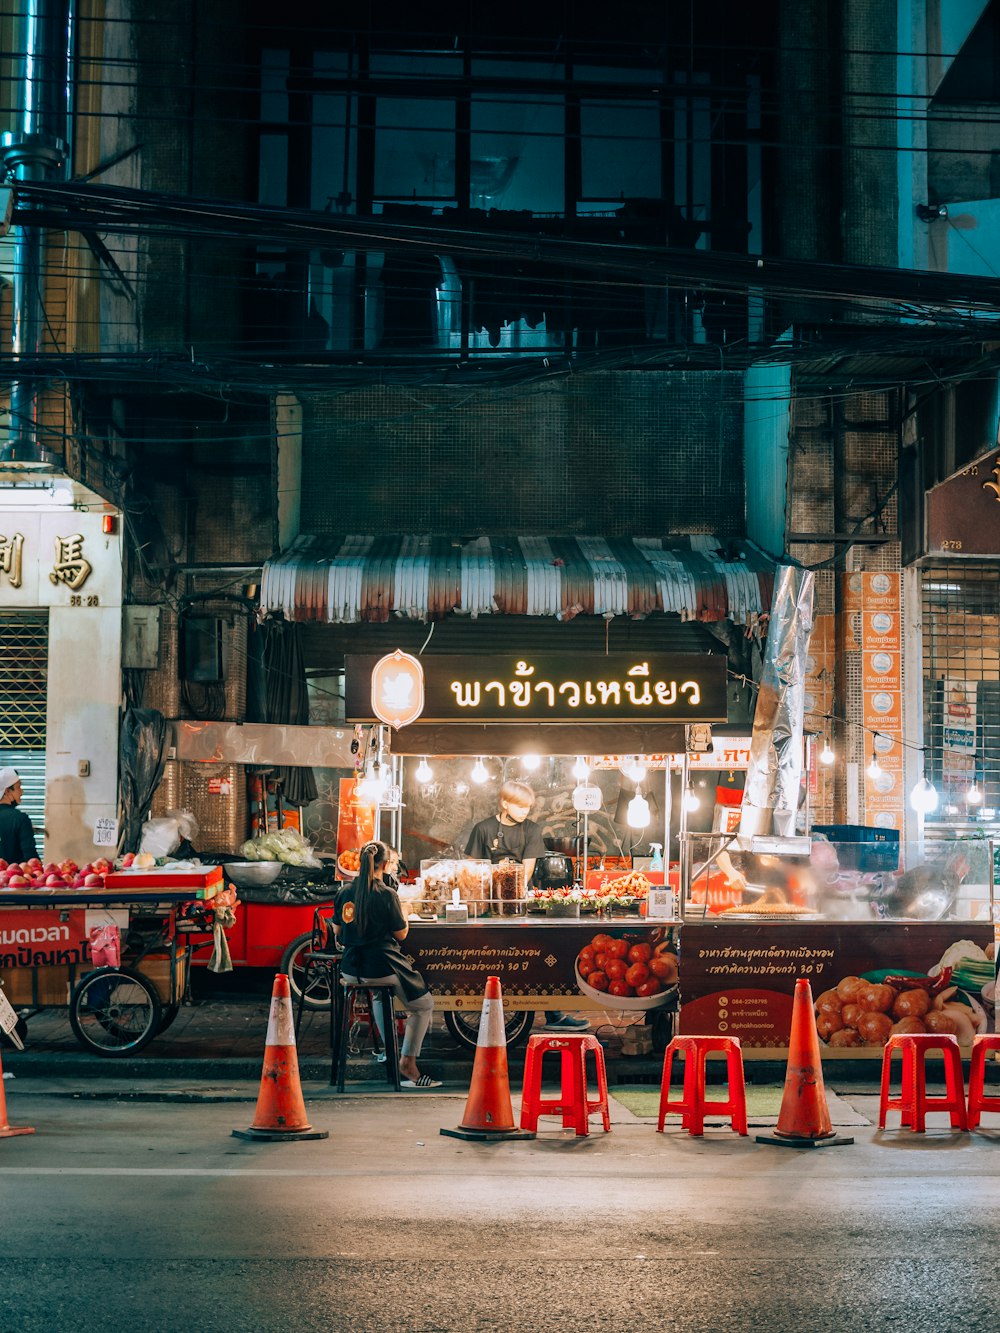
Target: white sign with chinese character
(58, 557)
(106, 833)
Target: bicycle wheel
(115, 1011)
(294, 963)
(463, 1024)
(170, 1012)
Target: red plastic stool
(692, 1104)
(572, 1103)
(978, 1100)
(913, 1102)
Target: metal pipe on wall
(36, 151)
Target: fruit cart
(116, 1009)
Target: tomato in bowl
(630, 971)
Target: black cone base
(780, 1141)
(280, 1135)
(487, 1135)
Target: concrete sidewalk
(223, 1039)
(220, 1040)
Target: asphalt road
(149, 1213)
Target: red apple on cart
(93, 881)
(15, 869)
(17, 882)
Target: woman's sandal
(424, 1081)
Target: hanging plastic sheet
(774, 774)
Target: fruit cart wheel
(661, 1029)
(115, 1011)
(463, 1024)
(294, 965)
(170, 1012)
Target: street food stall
(892, 937)
(115, 952)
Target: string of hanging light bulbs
(924, 797)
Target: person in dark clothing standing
(17, 837)
(369, 924)
(511, 835)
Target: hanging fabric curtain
(277, 693)
(142, 755)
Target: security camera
(931, 212)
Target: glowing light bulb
(638, 811)
(424, 771)
(530, 761)
(974, 796)
(371, 787)
(581, 770)
(691, 800)
(480, 772)
(924, 797)
(826, 755)
(638, 770)
(874, 769)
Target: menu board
(355, 818)
(738, 979)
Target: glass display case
(822, 878)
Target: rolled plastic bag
(105, 946)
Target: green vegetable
(287, 845)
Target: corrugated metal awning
(344, 580)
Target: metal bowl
(252, 874)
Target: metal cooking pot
(552, 870)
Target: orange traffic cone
(804, 1117)
(488, 1112)
(281, 1112)
(8, 1131)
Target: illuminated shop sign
(397, 689)
(549, 687)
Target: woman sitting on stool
(369, 924)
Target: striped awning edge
(344, 580)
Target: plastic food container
(508, 895)
(442, 877)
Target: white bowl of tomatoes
(629, 969)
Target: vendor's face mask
(519, 813)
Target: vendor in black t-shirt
(511, 835)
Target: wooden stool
(978, 1100)
(376, 995)
(913, 1102)
(572, 1103)
(692, 1103)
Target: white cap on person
(8, 776)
